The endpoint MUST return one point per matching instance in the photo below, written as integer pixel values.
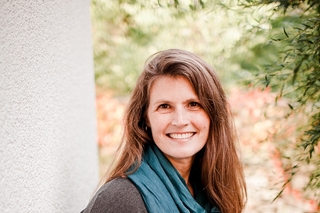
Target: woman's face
(178, 123)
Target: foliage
(125, 33)
(290, 63)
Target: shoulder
(118, 195)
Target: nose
(180, 117)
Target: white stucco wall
(48, 154)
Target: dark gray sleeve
(117, 196)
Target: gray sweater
(117, 196)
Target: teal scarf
(163, 189)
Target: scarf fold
(163, 189)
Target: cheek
(153, 122)
(157, 123)
(205, 121)
(205, 129)
(158, 126)
(206, 125)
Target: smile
(181, 136)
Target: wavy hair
(218, 162)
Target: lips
(181, 135)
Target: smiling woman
(178, 151)
(178, 123)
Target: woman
(178, 151)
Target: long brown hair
(220, 168)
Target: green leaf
(284, 30)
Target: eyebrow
(167, 101)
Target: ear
(146, 120)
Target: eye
(164, 106)
(194, 104)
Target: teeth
(181, 136)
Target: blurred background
(267, 54)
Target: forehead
(171, 88)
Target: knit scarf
(163, 189)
